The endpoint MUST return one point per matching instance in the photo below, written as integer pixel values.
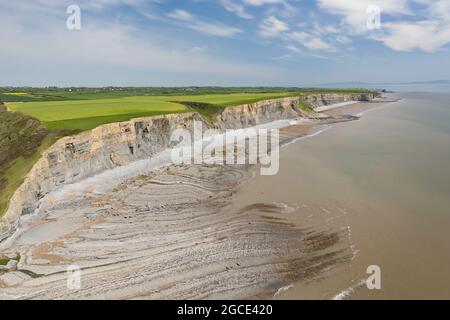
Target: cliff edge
(75, 158)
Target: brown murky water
(385, 177)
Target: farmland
(88, 114)
(28, 94)
(82, 109)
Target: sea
(386, 179)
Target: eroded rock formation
(72, 159)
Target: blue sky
(223, 42)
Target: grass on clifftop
(22, 140)
(87, 108)
(206, 110)
(27, 94)
(88, 114)
(305, 106)
(14, 175)
(20, 137)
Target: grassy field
(27, 94)
(13, 176)
(88, 114)
(68, 94)
(22, 140)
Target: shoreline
(75, 158)
(252, 191)
(100, 183)
(268, 211)
(373, 177)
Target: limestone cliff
(319, 100)
(72, 159)
(284, 108)
(253, 114)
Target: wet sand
(169, 236)
(385, 178)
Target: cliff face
(285, 108)
(319, 100)
(72, 159)
(258, 113)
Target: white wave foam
(349, 291)
(307, 136)
(283, 289)
(335, 105)
(284, 207)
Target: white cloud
(180, 15)
(258, 3)
(195, 23)
(438, 9)
(283, 57)
(48, 5)
(428, 36)
(293, 49)
(198, 49)
(38, 39)
(325, 29)
(354, 12)
(212, 29)
(343, 39)
(236, 8)
(309, 41)
(272, 27)
(429, 32)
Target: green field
(70, 94)
(28, 94)
(22, 140)
(88, 114)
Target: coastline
(75, 158)
(225, 159)
(208, 203)
(313, 215)
(384, 179)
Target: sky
(222, 42)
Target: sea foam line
(307, 136)
(349, 291)
(283, 289)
